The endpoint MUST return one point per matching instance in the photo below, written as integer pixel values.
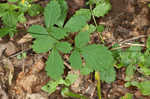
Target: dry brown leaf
(25, 39)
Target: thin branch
(134, 38)
(15, 54)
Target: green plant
(22, 55)
(52, 37)
(13, 12)
(135, 60)
(127, 96)
(51, 86)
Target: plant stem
(70, 94)
(93, 17)
(97, 77)
(66, 92)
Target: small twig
(100, 36)
(15, 54)
(131, 44)
(67, 65)
(134, 38)
(22, 46)
(127, 45)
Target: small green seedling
(50, 38)
(127, 96)
(22, 55)
(51, 86)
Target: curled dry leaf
(11, 48)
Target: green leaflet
(9, 19)
(85, 70)
(21, 18)
(84, 12)
(131, 56)
(64, 47)
(58, 33)
(95, 57)
(75, 23)
(75, 60)
(37, 30)
(82, 39)
(51, 13)
(5, 31)
(144, 87)
(101, 9)
(100, 28)
(78, 21)
(70, 79)
(130, 72)
(54, 65)
(145, 71)
(51, 86)
(92, 28)
(108, 75)
(64, 9)
(43, 44)
(99, 58)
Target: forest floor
(23, 78)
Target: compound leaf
(75, 60)
(54, 65)
(51, 13)
(64, 47)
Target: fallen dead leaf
(28, 81)
(25, 39)
(37, 67)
